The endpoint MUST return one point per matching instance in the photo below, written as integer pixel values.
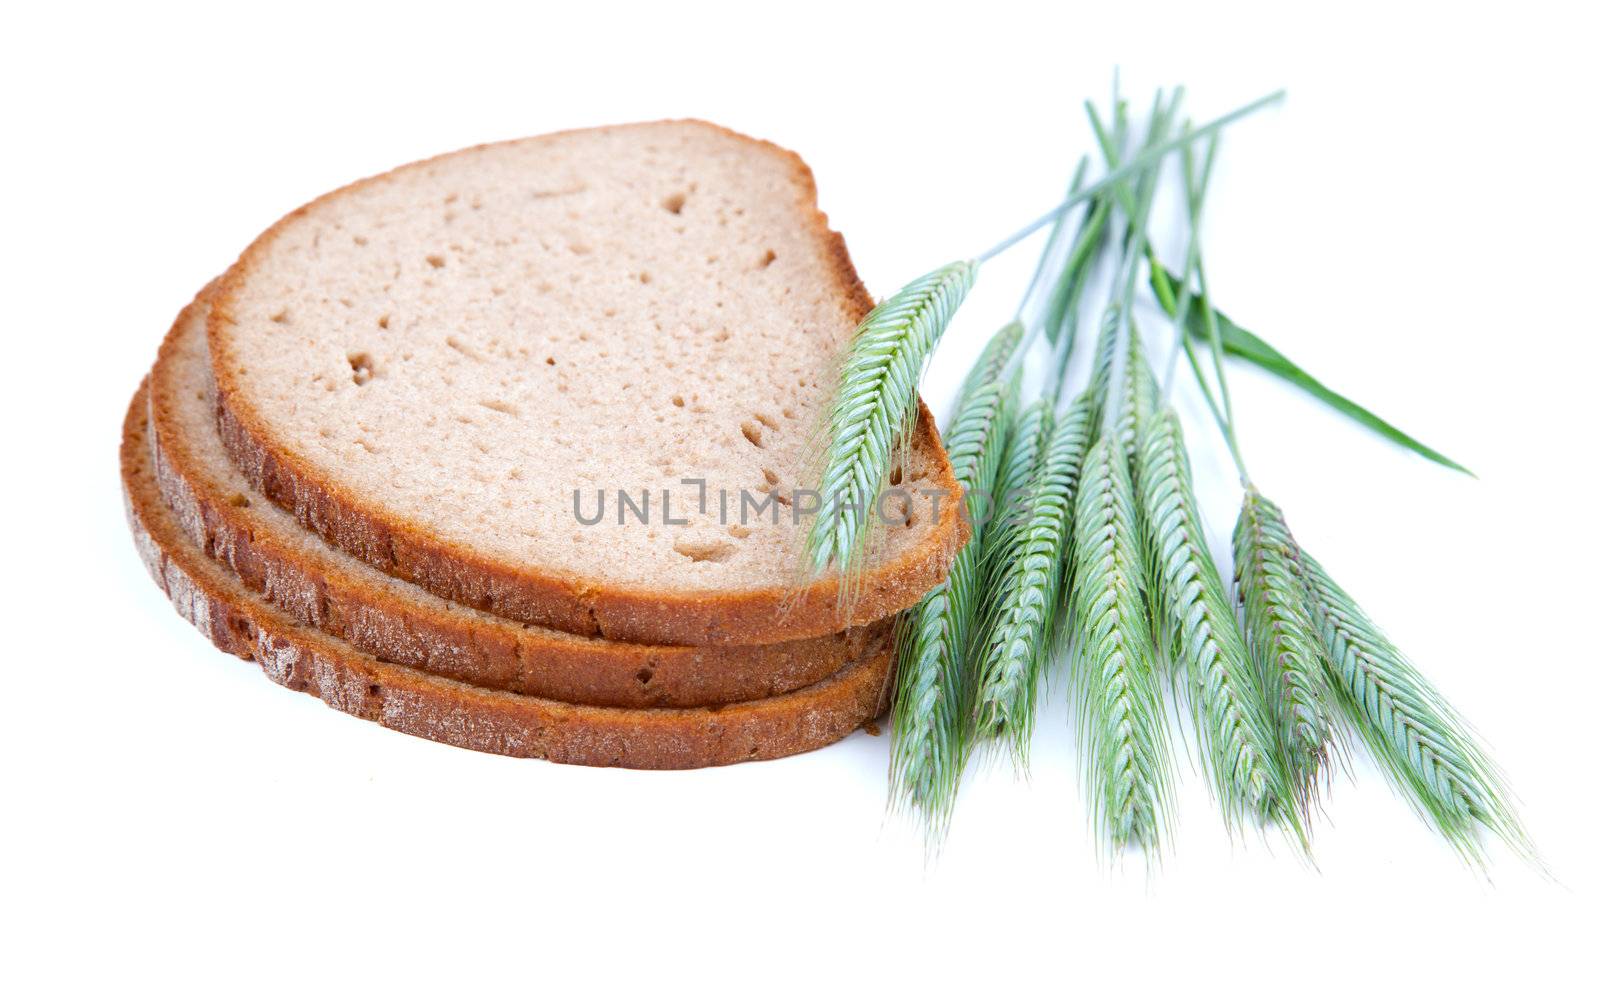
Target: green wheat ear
(1426, 749)
(1237, 740)
(1287, 649)
(1122, 736)
(1024, 444)
(993, 361)
(932, 689)
(874, 409)
(1105, 353)
(1028, 562)
(1141, 399)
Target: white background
(1415, 226)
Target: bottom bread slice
(460, 714)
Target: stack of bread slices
(508, 449)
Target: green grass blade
(873, 409)
(1238, 745)
(1123, 746)
(1287, 648)
(1242, 344)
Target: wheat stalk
(871, 414)
(1429, 753)
(1287, 650)
(876, 397)
(1122, 738)
(932, 690)
(1029, 562)
(1230, 715)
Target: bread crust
(296, 574)
(403, 548)
(461, 714)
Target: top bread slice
(400, 623)
(441, 369)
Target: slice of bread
(399, 622)
(438, 369)
(460, 714)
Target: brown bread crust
(461, 714)
(298, 574)
(403, 548)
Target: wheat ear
(932, 689)
(873, 409)
(1029, 562)
(993, 362)
(1231, 718)
(1288, 652)
(1105, 353)
(1429, 753)
(1122, 737)
(1141, 397)
(1024, 445)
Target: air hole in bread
(674, 203)
(703, 548)
(895, 475)
(436, 260)
(677, 400)
(768, 258)
(752, 432)
(238, 501)
(281, 317)
(644, 676)
(644, 277)
(361, 369)
(383, 322)
(767, 421)
(549, 360)
(739, 532)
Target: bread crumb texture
(318, 585)
(464, 346)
